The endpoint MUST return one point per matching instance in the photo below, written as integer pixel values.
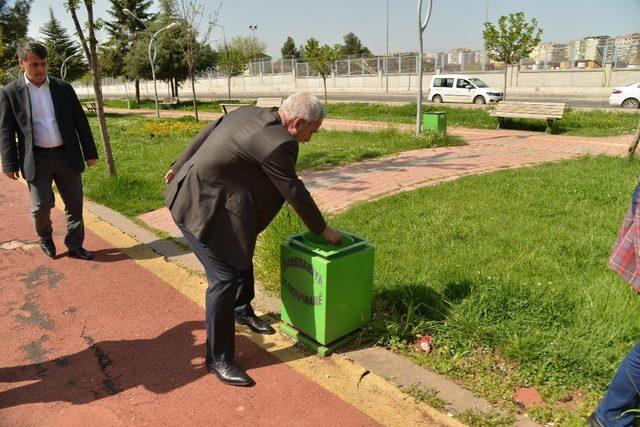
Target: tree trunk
(324, 80)
(137, 92)
(634, 142)
(175, 85)
(92, 57)
(504, 86)
(193, 91)
(229, 87)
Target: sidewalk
(115, 341)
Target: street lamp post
(422, 25)
(153, 52)
(224, 37)
(253, 29)
(152, 59)
(386, 59)
(63, 67)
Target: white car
(462, 88)
(626, 96)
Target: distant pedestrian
(53, 143)
(623, 396)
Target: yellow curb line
(366, 391)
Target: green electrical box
(325, 290)
(435, 120)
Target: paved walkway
(338, 188)
(120, 340)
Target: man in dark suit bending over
(223, 191)
(54, 141)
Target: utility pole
(422, 25)
(386, 59)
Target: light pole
(153, 52)
(253, 28)
(224, 37)
(63, 67)
(152, 59)
(386, 59)
(422, 25)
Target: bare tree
(194, 38)
(89, 45)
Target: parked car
(626, 96)
(461, 88)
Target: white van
(461, 88)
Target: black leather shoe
(48, 247)
(229, 373)
(256, 324)
(81, 253)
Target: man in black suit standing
(53, 143)
(223, 191)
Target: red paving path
(109, 343)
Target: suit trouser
(55, 167)
(230, 291)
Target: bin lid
(318, 245)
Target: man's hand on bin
(332, 236)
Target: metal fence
(559, 56)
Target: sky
(453, 23)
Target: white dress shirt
(43, 116)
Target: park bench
(90, 106)
(169, 102)
(227, 108)
(269, 103)
(548, 111)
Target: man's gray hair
(303, 105)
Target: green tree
(14, 23)
(353, 46)
(123, 30)
(231, 62)
(61, 46)
(170, 65)
(321, 59)
(512, 40)
(289, 49)
(249, 46)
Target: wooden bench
(227, 108)
(169, 102)
(269, 103)
(90, 106)
(548, 111)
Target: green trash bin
(325, 290)
(131, 104)
(435, 120)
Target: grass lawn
(582, 123)
(144, 149)
(574, 122)
(508, 273)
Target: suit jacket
(15, 119)
(232, 181)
